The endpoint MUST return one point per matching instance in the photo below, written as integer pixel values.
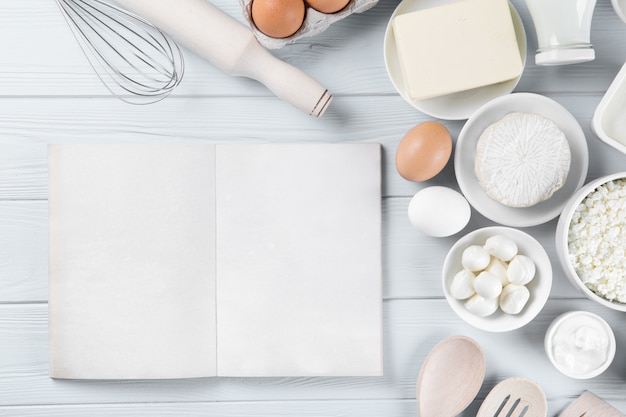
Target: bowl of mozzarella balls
(497, 278)
(591, 240)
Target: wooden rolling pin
(232, 47)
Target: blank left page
(132, 261)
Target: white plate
(465, 154)
(457, 106)
(539, 287)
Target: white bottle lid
(565, 56)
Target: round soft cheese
(522, 159)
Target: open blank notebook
(178, 261)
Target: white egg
(499, 269)
(501, 247)
(513, 298)
(487, 285)
(481, 306)
(462, 285)
(439, 211)
(521, 270)
(475, 258)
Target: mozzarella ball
(481, 306)
(499, 269)
(475, 258)
(462, 285)
(501, 247)
(513, 298)
(521, 270)
(487, 285)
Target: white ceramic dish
(539, 287)
(465, 154)
(561, 240)
(577, 316)
(608, 122)
(457, 106)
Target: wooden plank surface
(412, 328)
(28, 125)
(332, 408)
(411, 261)
(44, 59)
(48, 93)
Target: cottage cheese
(597, 240)
(522, 159)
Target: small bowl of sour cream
(580, 344)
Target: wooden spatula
(589, 405)
(514, 397)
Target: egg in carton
(315, 22)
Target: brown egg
(423, 151)
(328, 6)
(278, 18)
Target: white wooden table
(48, 93)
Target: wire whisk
(134, 59)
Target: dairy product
(462, 286)
(501, 247)
(487, 281)
(456, 47)
(522, 159)
(498, 268)
(597, 240)
(563, 30)
(475, 258)
(521, 270)
(487, 285)
(513, 298)
(481, 306)
(580, 344)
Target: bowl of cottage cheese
(591, 240)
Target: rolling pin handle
(286, 81)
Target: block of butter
(456, 47)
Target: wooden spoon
(450, 378)
(514, 397)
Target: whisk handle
(232, 47)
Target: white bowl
(608, 121)
(561, 240)
(571, 321)
(539, 287)
(457, 106)
(465, 155)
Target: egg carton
(314, 22)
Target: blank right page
(298, 260)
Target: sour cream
(580, 344)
